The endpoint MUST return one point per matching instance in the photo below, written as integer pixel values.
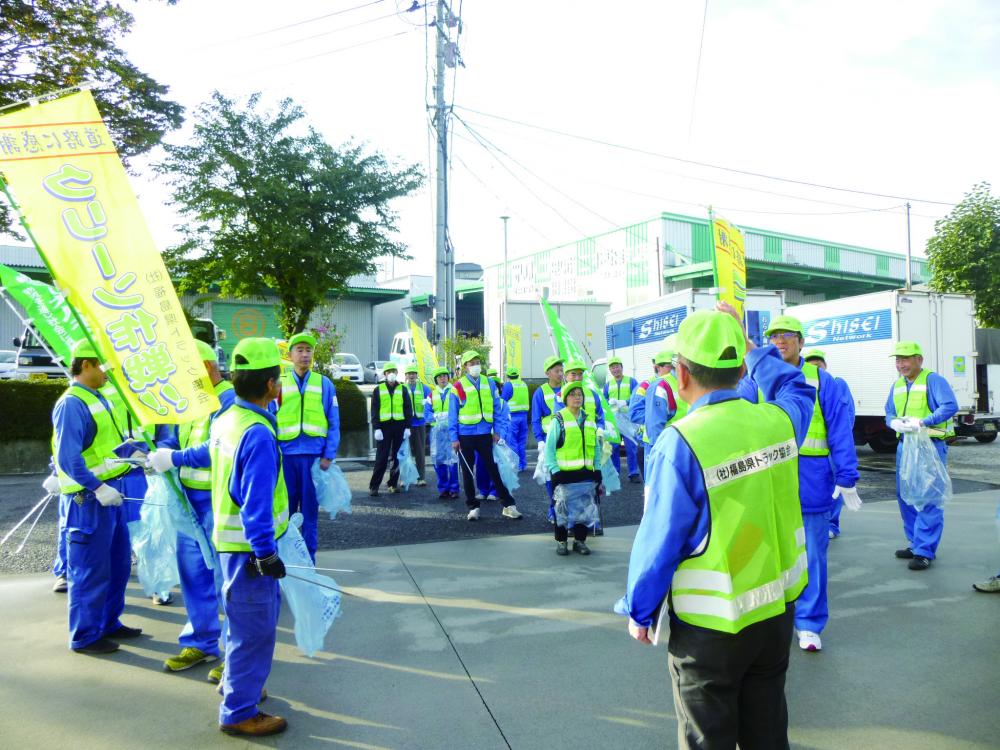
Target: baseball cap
(302, 338)
(664, 357)
(574, 364)
(257, 353)
(440, 371)
(205, 351)
(570, 387)
(813, 354)
(390, 367)
(705, 335)
(551, 362)
(785, 323)
(614, 361)
(84, 350)
(470, 354)
(409, 369)
(492, 372)
(512, 372)
(906, 349)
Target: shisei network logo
(844, 329)
(660, 325)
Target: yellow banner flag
(730, 264)
(512, 346)
(424, 354)
(65, 178)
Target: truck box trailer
(857, 335)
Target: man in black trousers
(391, 415)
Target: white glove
(441, 416)
(161, 460)
(501, 441)
(852, 500)
(915, 423)
(138, 455)
(600, 432)
(406, 434)
(378, 435)
(903, 425)
(51, 484)
(108, 496)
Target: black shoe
(124, 632)
(904, 554)
(634, 479)
(100, 646)
(443, 496)
(919, 562)
(454, 495)
(372, 493)
(581, 548)
(562, 549)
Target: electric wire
(331, 31)
(697, 71)
(305, 21)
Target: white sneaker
(479, 496)
(491, 497)
(809, 641)
(511, 512)
(473, 515)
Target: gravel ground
(418, 515)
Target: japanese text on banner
(730, 264)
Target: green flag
(46, 310)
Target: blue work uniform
(849, 403)
(447, 474)
(539, 410)
(819, 476)
(471, 458)
(301, 452)
(518, 428)
(661, 407)
(631, 457)
(502, 427)
(202, 587)
(677, 521)
(637, 416)
(923, 528)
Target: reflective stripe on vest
(552, 402)
(99, 454)
(440, 399)
(195, 433)
(390, 405)
(225, 435)
(577, 450)
(478, 404)
(815, 443)
(912, 402)
(753, 561)
(519, 398)
(302, 411)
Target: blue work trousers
(98, 563)
(251, 603)
(302, 497)
(835, 517)
(519, 438)
(811, 609)
(923, 528)
(201, 586)
(631, 458)
(447, 477)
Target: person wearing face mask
(391, 416)
(423, 411)
(447, 473)
(828, 469)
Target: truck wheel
(987, 438)
(883, 442)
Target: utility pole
(506, 299)
(909, 253)
(444, 269)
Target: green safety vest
(682, 405)
(912, 402)
(815, 443)
(97, 456)
(622, 391)
(196, 433)
(390, 405)
(519, 398)
(753, 560)
(577, 450)
(302, 412)
(553, 402)
(440, 400)
(478, 404)
(226, 433)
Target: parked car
(373, 371)
(348, 366)
(33, 361)
(8, 364)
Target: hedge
(353, 407)
(28, 410)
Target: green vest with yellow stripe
(815, 443)
(195, 433)
(440, 399)
(682, 405)
(519, 399)
(225, 435)
(390, 405)
(753, 560)
(302, 412)
(912, 402)
(98, 455)
(478, 404)
(552, 402)
(621, 391)
(578, 445)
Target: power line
(659, 155)
(697, 71)
(332, 51)
(306, 20)
(335, 31)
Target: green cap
(551, 362)
(906, 349)
(492, 372)
(513, 372)
(302, 338)
(259, 353)
(813, 354)
(564, 391)
(664, 357)
(469, 355)
(84, 350)
(390, 367)
(615, 361)
(785, 323)
(574, 364)
(411, 368)
(706, 334)
(205, 351)
(440, 371)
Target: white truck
(857, 335)
(637, 333)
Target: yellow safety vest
(815, 443)
(196, 433)
(97, 456)
(519, 398)
(478, 404)
(912, 402)
(302, 412)
(577, 449)
(390, 405)
(552, 402)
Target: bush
(353, 406)
(28, 410)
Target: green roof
(462, 286)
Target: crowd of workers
(747, 455)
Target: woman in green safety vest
(572, 457)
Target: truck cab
(33, 361)
(401, 353)
(206, 330)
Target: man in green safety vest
(515, 393)
(721, 545)
(391, 416)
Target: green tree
(270, 206)
(964, 253)
(454, 347)
(48, 45)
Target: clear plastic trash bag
(313, 607)
(441, 450)
(162, 490)
(154, 538)
(624, 425)
(574, 503)
(542, 473)
(332, 491)
(923, 478)
(609, 477)
(506, 461)
(408, 473)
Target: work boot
(512, 513)
(989, 586)
(123, 632)
(187, 658)
(581, 548)
(919, 562)
(100, 646)
(215, 673)
(562, 549)
(61, 586)
(260, 725)
(904, 554)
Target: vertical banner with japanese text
(512, 346)
(62, 170)
(423, 353)
(730, 263)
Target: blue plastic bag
(506, 461)
(609, 477)
(923, 478)
(167, 489)
(441, 451)
(313, 606)
(408, 473)
(574, 503)
(154, 538)
(332, 491)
